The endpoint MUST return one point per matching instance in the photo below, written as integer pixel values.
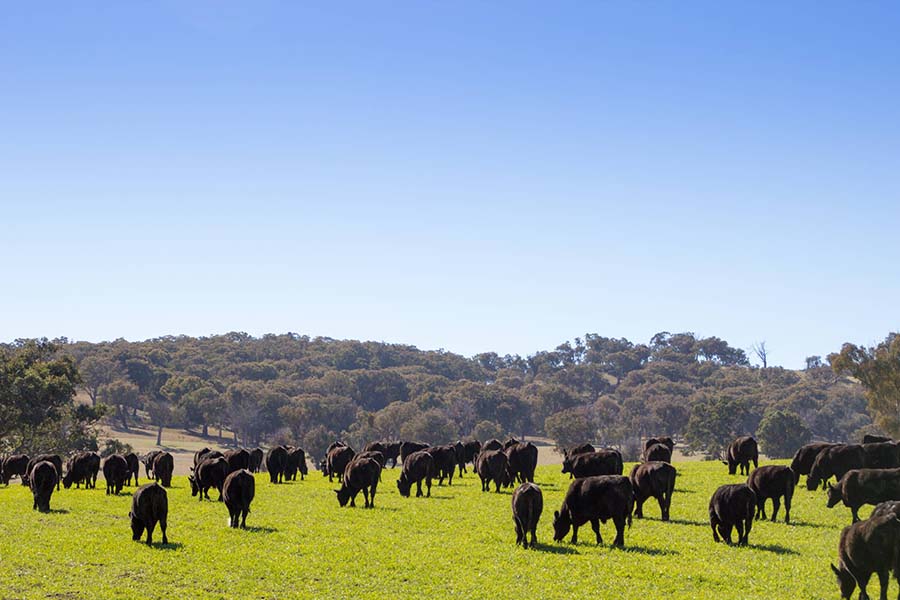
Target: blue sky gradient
(466, 176)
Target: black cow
(492, 465)
(492, 444)
(276, 461)
(418, 467)
(42, 479)
(805, 457)
(407, 448)
(595, 500)
(337, 460)
(204, 453)
(237, 459)
(527, 506)
(569, 455)
(149, 506)
(658, 452)
(732, 505)
(444, 462)
(238, 491)
(775, 482)
(11, 466)
(390, 450)
(601, 462)
(134, 468)
(471, 448)
(838, 460)
(82, 468)
(334, 445)
(53, 459)
(148, 460)
(866, 548)
(360, 474)
(378, 456)
(115, 472)
(740, 453)
(666, 441)
(211, 472)
(523, 459)
(653, 479)
(874, 439)
(865, 486)
(296, 463)
(256, 458)
(163, 468)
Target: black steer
(149, 506)
(42, 479)
(210, 473)
(595, 499)
(527, 505)
(775, 482)
(360, 474)
(866, 548)
(654, 479)
(238, 491)
(115, 472)
(741, 453)
(732, 506)
(865, 486)
(418, 467)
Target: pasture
(459, 542)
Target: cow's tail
(671, 491)
(630, 509)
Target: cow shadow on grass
(776, 548)
(680, 521)
(57, 511)
(261, 529)
(169, 546)
(814, 525)
(555, 548)
(632, 548)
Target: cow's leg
(639, 507)
(740, 531)
(787, 507)
(533, 533)
(595, 525)
(661, 500)
(619, 522)
(725, 532)
(244, 518)
(520, 532)
(497, 483)
(574, 533)
(714, 525)
(863, 582)
(855, 511)
(150, 526)
(883, 580)
(428, 485)
(776, 504)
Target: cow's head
(834, 496)
(195, 487)
(343, 495)
(403, 485)
(562, 522)
(846, 581)
(813, 480)
(67, 480)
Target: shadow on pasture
(681, 521)
(57, 511)
(629, 548)
(261, 529)
(169, 546)
(776, 548)
(814, 525)
(555, 548)
(680, 491)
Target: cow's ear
(555, 514)
(337, 491)
(724, 462)
(836, 570)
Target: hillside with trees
(310, 391)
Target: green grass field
(460, 542)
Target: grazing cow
(732, 505)
(865, 486)
(874, 439)
(741, 452)
(460, 450)
(418, 467)
(658, 452)
(569, 455)
(276, 461)
(42, 479)
(471, 448)
(523, 458)
(237, 459)
(378, 456)
(836, 461)
(595, 499)
(163, 468)
(407, 448)
(337, 460)
(666, 441)
(149, 506)
(204, 453)
(256, 458)
(238, 491)
(115, 472)
(82, 468)
(390, 450)
(805, 457)
(492, 444)
(444, 462)
(296, 463)
(360, 474)
(775, 482)
(492, 465)
(527, 505)
(653, 479)
(53, 459)
(866, 548)
(209, 473)
(148, 460)
(134, 468)
(11, 466)
(601, 462)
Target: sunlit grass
(459, 542)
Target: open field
(459, 542)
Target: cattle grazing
(53, 459)
(208, 474)
(732, 506)
(334, 445)
(805, 457)
(149, 506)
(115, 472)
(444, 462)
(12, 466)
(238, 491)
(866, 548)
(82, 468)
(492, 466)
(775, 482)
(378, 456)
(601, 462)
(276, 461)
(42, 479)
(595, 500)
(740, 453)
(838, 460)
(471, 448)
(204, 453)
(337, 460)
(256, 458)
(163, 468)
(418, 467)
(296, 462)
(569, 455)
(407, 448)
(360, 474)
(527, 505)
(492, 444)
(658, 452)
(237, 459)
(874, 439)
(460, 450)
(148, 460)
(134, 468)
(865, 486)
(666, 441)
(523, 458)
(390, 450)
(653, 479)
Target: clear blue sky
(470, 176)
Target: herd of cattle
(867, 473)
